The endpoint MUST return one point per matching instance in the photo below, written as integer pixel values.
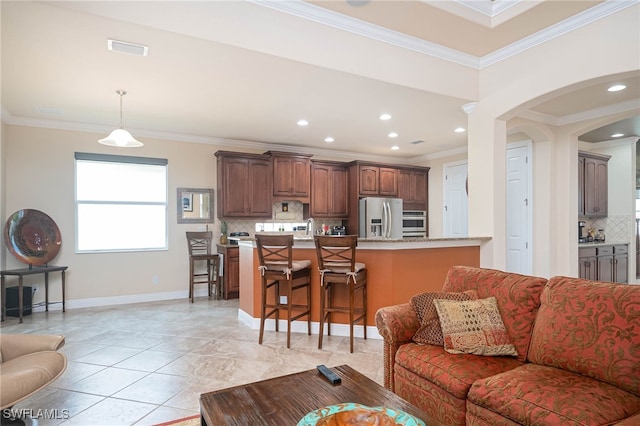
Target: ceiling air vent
(416, 142)
(125, 47)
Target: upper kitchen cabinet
(592, 181)
(329, 189)
(375, 180)
(413, 187)
(245, 185)
(291, 176)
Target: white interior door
(519, 209)
(455, 214)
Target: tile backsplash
(292, 217)
(616, 228)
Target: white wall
(39, 165)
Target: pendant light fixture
(120, 137)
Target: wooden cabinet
(412, 188)
(377, 181)
(244, 185)
(291, 176)
(329, 190)
(593, 184)
(604, 263)
(230, 271)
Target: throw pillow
(429, 332)
(474, 327)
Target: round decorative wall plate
(32, 237)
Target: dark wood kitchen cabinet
(413, 186)
(604, 263)
(376, 180)
(230, 271)
(291, 176)
(244, 185)
(329, 189)
(593, 184)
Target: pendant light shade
(120, 137)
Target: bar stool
(200, 250)
(277, 268)
(338, 266)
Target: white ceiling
(243, 72)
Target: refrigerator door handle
(388, 222)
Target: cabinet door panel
(621, 264)
(340, 188)
(369, 180)
(301, 177)
(260, 189)
(282, 184)
(588, 268)
(580, 186)
(388, 182)
(605, 268)
(320, 192)
(235, 176)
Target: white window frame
(120, 159)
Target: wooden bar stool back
(338, 267)
(282, 274)
(200, 246)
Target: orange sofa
(578, 362)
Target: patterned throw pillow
(430, 332)
(473, 327)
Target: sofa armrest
(396, 324)
(15, 345)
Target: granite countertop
(602, 243)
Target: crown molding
(586, 17)
(327, 154)
(333, 19)
(564, 120)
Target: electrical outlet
(155, 280)
(283, 300)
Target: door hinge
(526, 202)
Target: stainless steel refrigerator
(380, 218)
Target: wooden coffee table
(287, 399)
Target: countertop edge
(378, 244)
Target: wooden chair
(200, 246)
(278, 269)
(338, 266)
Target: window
(121, 203)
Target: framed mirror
(195, 205)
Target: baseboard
(301, 327)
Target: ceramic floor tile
(164, 414)
(150, 360)
(108, 381)
(109, 355)
(60, 405)
(148, 363)
(154, 388)
(110, 412)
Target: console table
(32, 270)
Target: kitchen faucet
(311, 226)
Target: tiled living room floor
(148, 363)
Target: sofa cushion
(591, 328)
(473, 327)
(430, 332)
(453, 373)
(536, 394)
(518, 298)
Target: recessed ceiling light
(385, 116)
(395, 147)
(393, 135)
(617, 88)
(329, 139)
(460, 130)
(617, 135)
(303, 123)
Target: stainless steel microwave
(414, 224)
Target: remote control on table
(330, 375)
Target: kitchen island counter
(396, 271)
